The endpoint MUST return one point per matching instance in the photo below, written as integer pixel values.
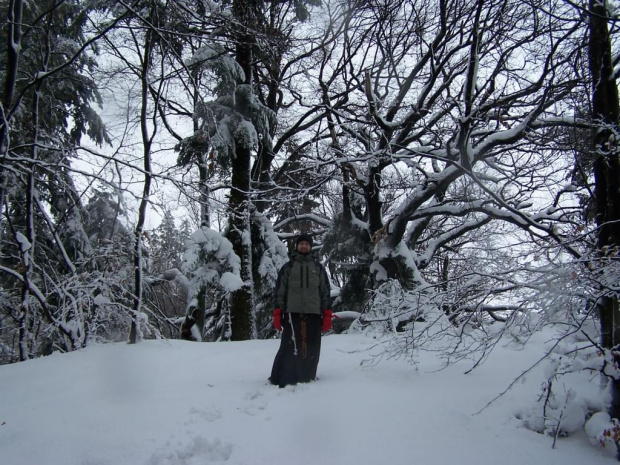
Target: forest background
(456, 162)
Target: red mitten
(327, 320)
(277, 318)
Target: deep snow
(175, 402)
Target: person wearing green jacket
(301, 311)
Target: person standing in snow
(301, 311)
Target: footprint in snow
(255, 404)
(198, 450)
(253, 395)
(209, 415)
(253, 409)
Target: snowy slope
(176, 402)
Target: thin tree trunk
(147, 140)
(27, 252)
(14, 37)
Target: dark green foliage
(53, 105)
(350, 257)
(53, 64)
(104, 211)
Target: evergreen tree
(48, 105)
(166, 295)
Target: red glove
(327, 320)
(277, 318)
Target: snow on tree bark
(606, 112)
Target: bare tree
(455, 100)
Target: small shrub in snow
(602, 430)
(212, 269)
(569, 397)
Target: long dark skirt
(300, 348)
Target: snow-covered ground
(176, 402)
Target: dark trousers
(300, 349)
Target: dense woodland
(456, 162)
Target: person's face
(304, 247)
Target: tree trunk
(606, 111)
(242, 321)
(242, 300)
(14, 21)
(27, 252)
(134, 335)
(372, 194)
